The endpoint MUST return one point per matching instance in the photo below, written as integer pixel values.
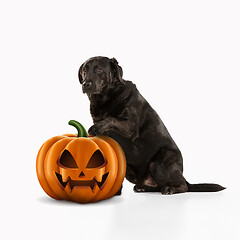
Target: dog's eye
(99, 70)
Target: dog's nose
(88, 84)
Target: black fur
(154, 162)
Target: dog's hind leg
(166, 170)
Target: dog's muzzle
(87, 86)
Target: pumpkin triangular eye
(96, 160)
(67, 160)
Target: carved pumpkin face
(81, 169)
(88, 174)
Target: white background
(184, 57)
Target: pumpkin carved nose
(81, 174)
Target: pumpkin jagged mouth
(82, 183)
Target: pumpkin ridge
(121, 164)
(51, 165)
(40, 163)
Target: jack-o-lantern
(81, 168)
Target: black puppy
(154, 162)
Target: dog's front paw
(93, 130)
(96, 129)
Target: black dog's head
(99, 72)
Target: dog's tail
(204, 187)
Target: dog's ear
(117, 70)
(80, 74)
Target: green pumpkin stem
(81, 130)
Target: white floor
(130, 216)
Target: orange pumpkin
(79, 167)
